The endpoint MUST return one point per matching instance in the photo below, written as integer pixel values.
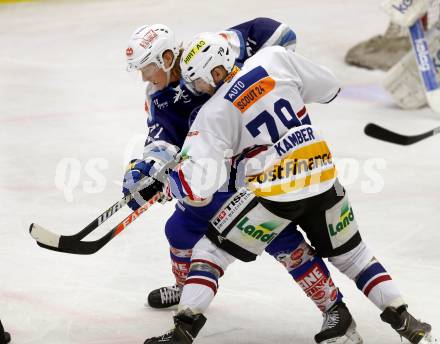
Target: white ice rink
(71, 117)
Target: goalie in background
(381, 51)
(392, 53)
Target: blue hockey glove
(137, 169)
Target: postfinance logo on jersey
(249, 88)
(301, 168)
(262, 232)
(194, 51)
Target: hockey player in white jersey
(260, 109)
(172, 107)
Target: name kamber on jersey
(302, 152)
(301, 169)
(294, 139)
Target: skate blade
(350, 337)
(167, 308)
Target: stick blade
(383, 134)
(44, 236)
(66, 244)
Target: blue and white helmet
(147, 45)
(205, 52)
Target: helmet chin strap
(168, 76)
(167, 70)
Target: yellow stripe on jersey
(253, 93)
(296, 184)
(306, 166)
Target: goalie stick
(74, 244)
(426, 65)
(383, 134)
(406, 14)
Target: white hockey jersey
(263, 106)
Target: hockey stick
(425, 65)
(383, 134)
(74, 244)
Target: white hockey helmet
(205, 52)
(147, 44)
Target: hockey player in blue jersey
(172, 107)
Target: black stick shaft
(383, 134)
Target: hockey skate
(186, 327)
(5, 337)
(338, 327)
(164, 297)
(415, 331)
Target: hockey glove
(137, 169)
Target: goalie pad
(405, 12)
(403, 80)
(380, 52)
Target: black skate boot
(5, 338)
(165, 297)
(407, 326)
(187, 325)
(338, 327)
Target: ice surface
(71, 115)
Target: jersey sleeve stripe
(185, 184)
(302, 112)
